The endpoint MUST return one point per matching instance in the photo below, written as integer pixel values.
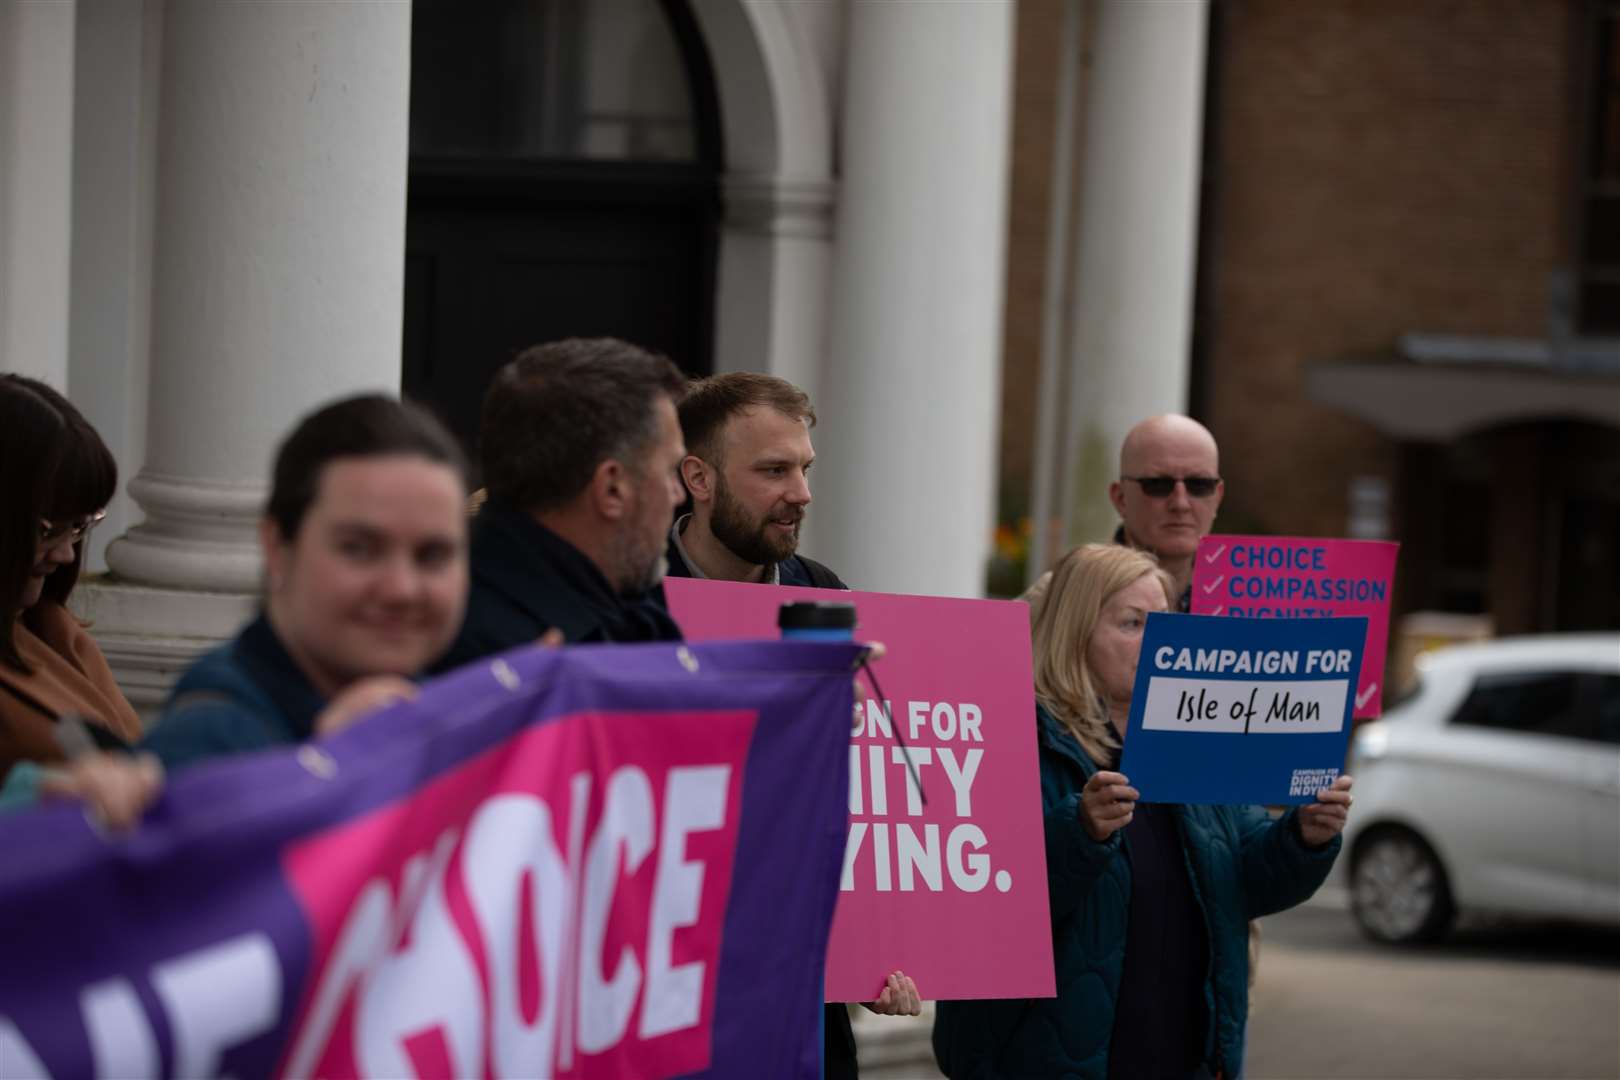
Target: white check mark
(1366, 695)
(1217, 553)
(1218, 609)
(1212, 586)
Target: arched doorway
(563, 182)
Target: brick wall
(1380, 166)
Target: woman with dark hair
(365, 552)
(1150, 902)
(56, 476)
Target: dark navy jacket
(1242, 865)
(526, 579)
(245, 695)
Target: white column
(36, 182)
(1137, 242)
(278, 261)
(115, 104)
(775, 261)
(906, 478)
(276, 254)
(772, 63)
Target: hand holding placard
(899, 997)
(1324, 819)
(1107, 804)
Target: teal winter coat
(1242, 863)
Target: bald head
(1169, 432)
(1169, 524)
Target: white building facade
(203, 212)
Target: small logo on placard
(1310, 781)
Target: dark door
(563, 182)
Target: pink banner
(535, 876)
(598, 862)
(1287, 577)
(951, 891)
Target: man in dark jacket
(747, 467)
(579, 443)
(1168, 493)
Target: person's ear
(610, 489)
(698, 477)
(276, 554)
(1116, 495)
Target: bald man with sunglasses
(1168, 492)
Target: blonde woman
(1150, 902)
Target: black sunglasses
(1157, 487)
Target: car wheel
(1398, 889)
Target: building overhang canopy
(1436, 388)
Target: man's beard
(750, 539)
(649, 575)
(641, 558)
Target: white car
(1495, 787)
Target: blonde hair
(1081, 584)
(1035, 596)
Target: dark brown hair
(371, 425)
(559, 410)
(53, 467)
(710, 402)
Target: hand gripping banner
(591, 862)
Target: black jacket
(1184, 602)
(526, 579)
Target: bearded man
(747, 467)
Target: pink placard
(1262, 577)
(951, 892)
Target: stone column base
(150, 635)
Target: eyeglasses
(51, 532)
(1157, 487)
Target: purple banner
(590, 862)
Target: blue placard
(1241, 710)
